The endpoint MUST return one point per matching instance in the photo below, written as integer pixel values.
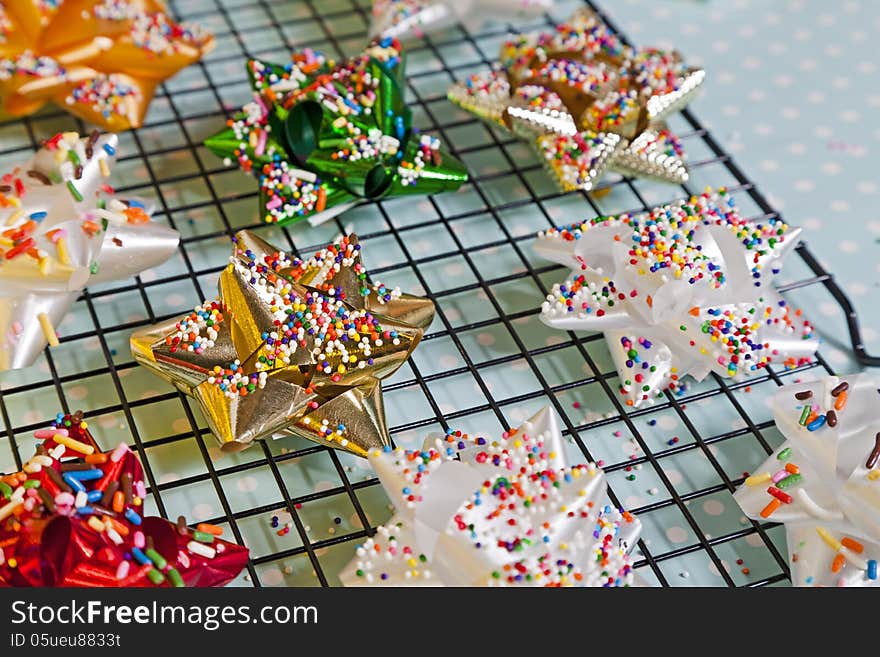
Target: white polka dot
(790, 113)
(730, 110)
(869, 334)
(763, 129)
(148, 394)
(828, 309)
(175, 300)
(823, 131)
(667, 422)
(751, 63)
(272, 577)
(553, 339)
(804, 185)
(202, 511)
(797, 148)
(770, 165)
(816, 97)
(448, 361)
(168, 477)
(867, 187)
(246, 484)
(633, 502)
(452, 314)
(713, 507)
(674, 476)
(832, 168)
(714, 569)
(755, 540)
(485, 339)
(78, 393)
(324, 485)
(850, 116)
(840, 205)
(737, 423)
(857, 289)
(676, 535)
(756, 95)
(180, 425)
(783, 81)
(848, 246)
(454, 269)
(812, 223)
(808, 64)
(840, 82)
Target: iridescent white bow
(63, 228)
(407, 19)
(685, 289)
(508, 513)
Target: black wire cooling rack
(571, 372)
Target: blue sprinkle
(110, 150)
(132, 516)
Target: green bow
(321, 136)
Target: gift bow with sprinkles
(290, 346)
(472, 511)
(74, 516)
(321, 136)
(823, 483)
(587, 102)
(408, 19)
(101, 60)
(62, 227)
(685, 289)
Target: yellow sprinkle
(75, 445)
(15, 216)
(6, 511)
(832, 542)
(96, 524)
(874, 475)
(48, 329)
(47, 265)
(105, 168)
(757, 480)
(61, 245)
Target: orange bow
(101, 60)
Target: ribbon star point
(291, 346)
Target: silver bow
(587, 102)
(508, 512)
(63, 229)
(823, 483)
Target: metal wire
(587, 347)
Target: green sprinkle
(74, 191)
(94, 267)
(5, 489)
(359, 572)
(157, 559)
(156, 576)
(176, 579)
(31, 483)
(804, 415)
(784, 454)
(788, 482)
(203, 537)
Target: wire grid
(486, 356)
